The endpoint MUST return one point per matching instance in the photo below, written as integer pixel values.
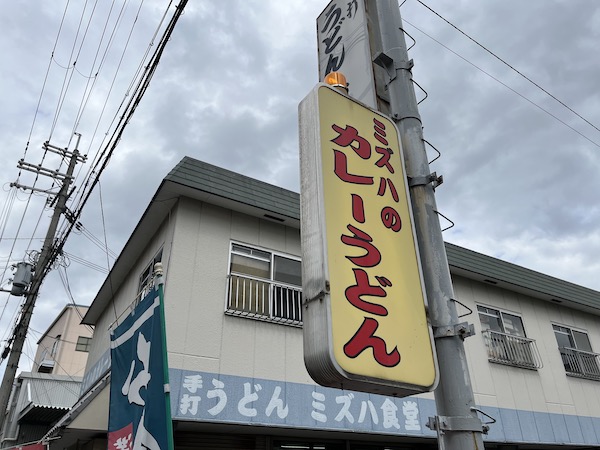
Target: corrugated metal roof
(47, 391)
(212, 184)
(40, 398)
(78, 407)
(42, 414)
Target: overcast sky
(520, 170)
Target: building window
(264, 285)
(576, 353)
(83, 344)
(54, 350)
(147, 277)
(505, 339)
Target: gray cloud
(518, 184)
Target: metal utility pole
(42, 266)
(457, 422)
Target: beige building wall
(58, 345)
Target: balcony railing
(264, 300)
(512, 350)
(579, 363)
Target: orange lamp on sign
(337, 80)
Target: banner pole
(159, 281)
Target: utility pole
(457, 422)
(42, 266)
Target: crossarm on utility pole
(42, 267)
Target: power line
(503, 84)
(84, 21)
(133, 99)
(15, 241)
(95, 240)
(99, 153)
(49, 353)
(85, 262)
(37, 109)
(130, 108)
(57, 338)
(85, 99)
(103, 225)
(31, 239)
(6, 210)
(13, 318)
(65, 281)
(109, 45)
(69, 74)
(512, 68)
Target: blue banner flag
(139, 412)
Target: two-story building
(230, 247)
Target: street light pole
(457, 423)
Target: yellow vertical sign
(375, 302)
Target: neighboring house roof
(46, 397)
(39, 400)
(215, 185)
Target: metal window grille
(264, 285)
(512, 350)
(264, 300)
(579, 363)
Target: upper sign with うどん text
(365, 322)
(343, 46)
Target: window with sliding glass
(264, 285)
(576, 353)
(505, 339)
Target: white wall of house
(200, 335)
(125, 294)
(547, 389)
(196, 241)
